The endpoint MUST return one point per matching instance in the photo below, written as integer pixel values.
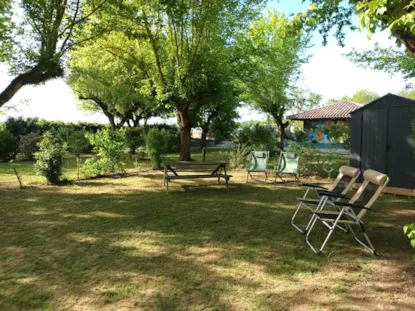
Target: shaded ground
(124, 244)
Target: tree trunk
(185, 132)
(281, 132)
(203, 138)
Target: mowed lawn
(125, 244)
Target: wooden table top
(184, 163)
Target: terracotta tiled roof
(340, 110)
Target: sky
(328, 73)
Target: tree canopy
(274, 50)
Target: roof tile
(340, 110)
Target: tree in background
(303, 100)
(179, 41)
(77, 144)
(273, 51)
(362, 96)
(112, 85)
(408, 93)
(34, 47)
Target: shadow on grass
(182, 250)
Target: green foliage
(109, 145)
(239, 156)
(303, 100)
(257, 137)
(273, 50)
(315, 163)
(409, 231)
(135, 138)
(156, 145)
(8, 146)
(49, 158)
(28, 145)
(77, 143)
(408, 93)
(338, 133)
(300, 136)
(362, 96)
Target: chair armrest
(313, 186)
(332, 194)
(338, 203)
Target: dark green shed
(381, 139)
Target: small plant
(8, 146)
(238, 157)
(109, 145)
(28, 145)
(77, 144)
(156, 145)
(409, 231)
(49, 158)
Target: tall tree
(274, 50)
(362, 96)
(181, 38)
(303, 99)
(44, 31)
(112, 85)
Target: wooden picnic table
(203, 169)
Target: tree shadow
(70, 248)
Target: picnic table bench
(208, 169)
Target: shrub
(8, 146)
(300, 136)
(338, 133)
(409, 231)
(28, 145)
(109, 145)
(156, 145)
(315, 163)
(49, 159)
(257, 137)
(238, 157)
(135, 138)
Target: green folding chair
(288, 163)
(258, 163)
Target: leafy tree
(362, 96)
(180, 40)
(156, 146)
(109, 145)
(35, 46)
(373, 15)
(274, 48)
(49, 159)
(77, 144)
(115, 86)
(28, 145)
(8, 146)
(304, 100)
(408, 93)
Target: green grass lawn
(125, 244)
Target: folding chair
(288, 163)
(351, 213)
(258, 163)
(342, 184)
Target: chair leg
(369, 246)
(328, 235)
(247, 175)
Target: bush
(157, 142)
(257, 137)
(338, 133)
(315, 163)
(409, 231)
(49, 159)
(28, 145)
(109, 145)
(238, 157)
(8, 146)
(300, 136)
(135, 138)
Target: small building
(315, 118)
(381, 139)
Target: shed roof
(340, 110)
(380, 101)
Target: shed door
(401, 162)
(374, 139)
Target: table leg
(226, 177)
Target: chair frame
(252, 154)
(278, 173)
(347, 209)
(320, 203)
